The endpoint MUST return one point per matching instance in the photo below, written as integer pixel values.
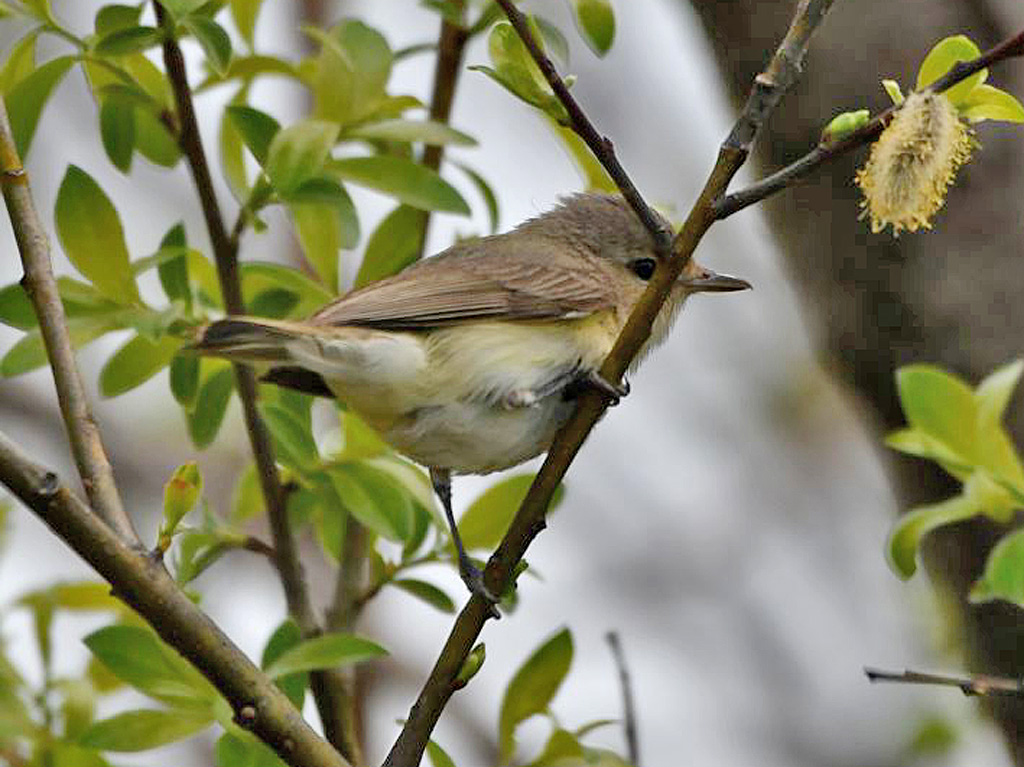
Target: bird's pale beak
(707, 281)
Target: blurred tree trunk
(953, 296)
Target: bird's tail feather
(248, 339)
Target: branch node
(49, 485)
(246, 719)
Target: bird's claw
(473, 577)
(613, 392)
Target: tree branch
(327, 686)
(628, 708)
(141, 582)
(981, 686)
(530, 519)
(83, 434)
(866, 134)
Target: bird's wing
(463, 286)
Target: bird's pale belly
(476, 437)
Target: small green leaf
(326, 193)
(137, 656)
(488, 517)
(532, 688)
(474, 662)
(895, 93)
(128, 40)
(941, 58)
(403, 179)
(298, 153)
(906, 535)
(210, 406)
(135, 363)
(117, 131)
(215, 42)
(286, 637)
(20, 63)
(428, 593)
(394, 244)
(260, 275)
(256, 128)
(940, 405)
(595, 177)
(988, 103)
(323, 652)
(596, 22)
(294, 444)
(181, 493)
(553, 41)
(143, 729)
(25, 101)
(485, 191)
(1004, 572)
(244, 14)
(844, 124)
(110, 18)
(29, 353)
(917, 443)
(351, 72)
(85, 596)
(40, 9)
(374, 498)
(174, 271)
(181, 8)
(319, 228)
(15, 307)
(154, 141)
(438, 756)
(232, 151)
(421, 131)
(247, 498)
(91, 234)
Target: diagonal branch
(39, 283)
(981, 686)
(141, 582)
(327, 686)
(530, 519)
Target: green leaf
(350, 73)
(287, 636)
(293, 442)
(1004, 572)
(438, 756)
(428, 593)
(135, 363)
(893, 90)
(181, 8)
(358, 439)
(237, 748)
(214, 41)
(257, 276)
(595, 177)
(373, 498)
(917, 443)
(941, 58)
(940, 405)
(485, 191)
(40, 9)
(595, 20)
(319, 228)
(323, 652)
(181, 493)
(553, 41)
(988, 103)
(488, 517)
(422, 131)
(25, 101)
(244, 14)
(403, 179)
(117, 131)
(137, 656)
(20, 62)
(110, 18)
(842, 125)
(256, 128)
(174, 271)
(210, 406)
(994, 392)
(184, 378)
(85, 596)
(29, 353)
(533, 687)
(322, 195)
(906, 535)
(143, 729)
(129, 40)
(91, 234)
(394, 244)
(298, 153)
(247, 498)
(154, 141)
(232, 153)
(15, 307)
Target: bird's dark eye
(643, 267)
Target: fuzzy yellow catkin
(913, 163)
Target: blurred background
(728, 518)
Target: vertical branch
(39, 283)
(451, 46)
(628, 707)
(326, 686)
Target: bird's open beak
(707, 281)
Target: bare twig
(326, 685)
(142, 583)
(628, 708)
(530, 519)
(976, 685)
(39, 283)
(825, 152)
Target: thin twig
(825, 152)
(141, 582)
(451, 45)
(83, 434)
(628, 707)
(325, 685)
(601, 146)
(976, 685)
(530, 519)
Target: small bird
(468, 362)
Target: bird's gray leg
(471, 575)
(592, 379)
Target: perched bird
(468, 362)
